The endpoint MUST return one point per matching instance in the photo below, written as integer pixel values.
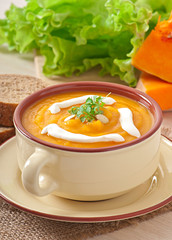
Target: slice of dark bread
(13, 89)
(6, 133)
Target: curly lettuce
(75, 36)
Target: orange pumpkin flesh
(155, 54)
(159, 90)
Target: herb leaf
(87, 111)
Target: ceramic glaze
(87, 173)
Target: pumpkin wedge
(159, 90)
(155, 54)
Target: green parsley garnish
(87, 112)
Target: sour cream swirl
(56, 107)
(126, 121)
(55, 131)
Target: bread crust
(6, 133)
(13, 89)
(6, 113)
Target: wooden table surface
(157, 228)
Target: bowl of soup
(87, 141)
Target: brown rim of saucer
(125, 91)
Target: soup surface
(87, 119)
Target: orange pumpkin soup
(87, 119)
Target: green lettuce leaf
(75, 36)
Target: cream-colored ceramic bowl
(81, 173)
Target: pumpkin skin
(155, 54)
(159, 90)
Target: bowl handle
(31, 173)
